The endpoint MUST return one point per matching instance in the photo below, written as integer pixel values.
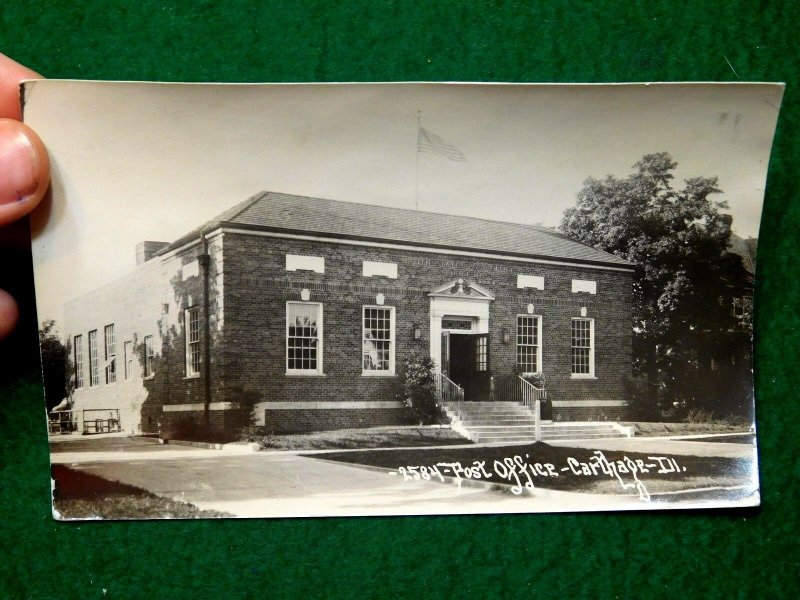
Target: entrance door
(467, 363)
(445, 362)
(481, 375)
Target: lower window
(192, 329)
(377, 355)
(529, 355)
(582, 337)
(304, 338)
(149, 356)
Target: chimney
(147, 250)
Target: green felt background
(725, 554)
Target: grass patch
(646, 429)
(556, 467)
(346, 439)
(80, 495)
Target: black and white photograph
(297, 300)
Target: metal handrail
(110, 423)
(63, 421)
(532, 398)
(448, 390)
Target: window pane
(302, 336)
(111, 354)
(192, 326)
(78, 350)
(581, 346)
(528, 343)
(149, 357)
(94, 362)
(377, 339)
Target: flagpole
(416, 173)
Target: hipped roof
(320, 217)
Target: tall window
(583, 347)
(303, 338)
(127, 351)
(377, 355)
(149, 356)
(77, 347)
(529, 355)
(192, 328)
(111, 354)
(94, 361)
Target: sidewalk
(661, 446)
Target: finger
(9, 313)
(11, 73)
(25, 169)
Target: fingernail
(19, 173)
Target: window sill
(589, 377)
(191, 377)
(377, 374)
(149, 377)
(296, 374)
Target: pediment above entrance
(462, 288)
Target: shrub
(739, 421)
(699, 415)
(418, 382)
(259, 434)
(242, 413)
(536, 379)
(639, 406)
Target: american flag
(427, 141)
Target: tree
(55, 364)
(685, 277)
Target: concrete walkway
(661, 446)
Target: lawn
(559, 468)
(81, 495)
(372, 437)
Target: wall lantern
(505, 335)
(417, 331)
(305, 294)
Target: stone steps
(499, 422)
(492, 422)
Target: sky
(134, 161)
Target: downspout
(204, 261)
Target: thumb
(24, 170)
(9, 313)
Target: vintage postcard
(393, 299)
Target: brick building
(312, 305)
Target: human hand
(24, 167)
